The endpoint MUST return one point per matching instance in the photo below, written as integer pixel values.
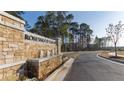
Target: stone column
(59, 43)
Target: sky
(98, 20)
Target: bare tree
(114, 32)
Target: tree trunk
(82, 42)
(115, 50)
(62, 39)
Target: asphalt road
(89, 67)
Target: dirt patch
(105, 54)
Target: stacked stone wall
(41, 68)
(16, 49)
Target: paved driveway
(89, 67)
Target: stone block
(1, 34)
(1, 70)
(7, 49)
(10, 35)
(9, 60)
(7, 69)
(1, 76)
(1, 28)
(4, 76)
(17, 58)
(2, 39)
(10, 53)
(1, 47)
(9, 39)
(1, 42)
(9, 73)
(5, 45)
(2, 61)
(1, 55)
(4, 53)
(5, 33)
(18, 53)
(9, 56)
(13, 45)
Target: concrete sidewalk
(60, 73)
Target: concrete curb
(112, 61)
(61, 72)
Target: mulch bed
(104, 54)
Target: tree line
(57, 24)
